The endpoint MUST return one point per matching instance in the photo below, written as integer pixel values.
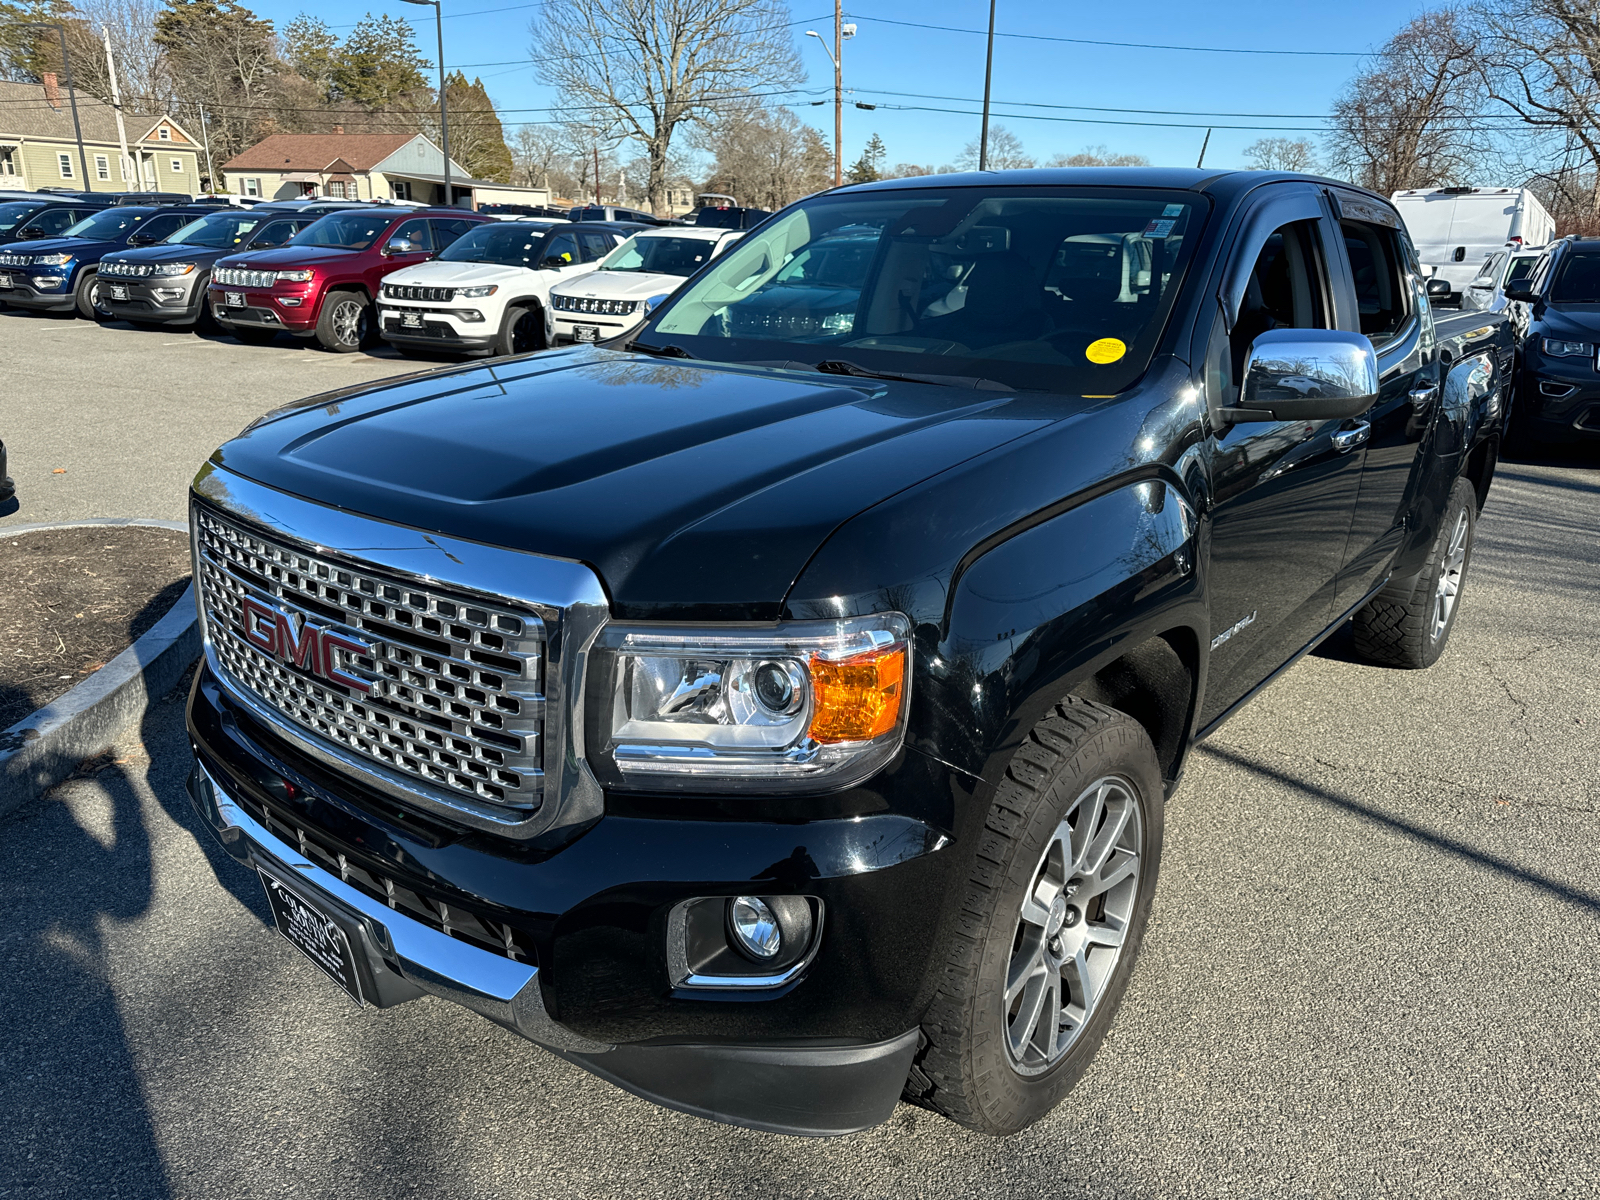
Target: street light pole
(841, 34)
(444, 116)
(72, 94)
(988, 75)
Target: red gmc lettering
(274, 632)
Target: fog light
(469, 314)
(755, 928)
(44, 282)
(289, 301)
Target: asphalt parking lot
(1372, 969)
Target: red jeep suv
(322, 282)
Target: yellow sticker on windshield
(1105, 350)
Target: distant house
(39, 148)
(361, 166)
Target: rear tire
(345, 323)
(1051, 917)
(521, 331)
(1408, 625)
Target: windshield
(506, 244)
(1579, 280)
(218, 231)
(344, 230)
(1044, 288)
(660, 255)
(12, 215)
(106, 224)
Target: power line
(1040, 37)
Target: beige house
(361, 166)
(39, 148)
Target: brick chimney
(52, 91)
(339, 129)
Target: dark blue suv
(61, 273)
(1556, 314)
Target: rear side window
(1375, 268)
(448, 230)
(596, 245)
(158, 227)
(1521, 268)
(275, 233)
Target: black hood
(165, 252)
(1571, 322)
(694, 489)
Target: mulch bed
(72, 599)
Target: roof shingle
(24, 112)
(317, 151)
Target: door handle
(1346, 440)
(1422, 395)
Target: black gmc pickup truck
(775, 714)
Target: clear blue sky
(488, 37)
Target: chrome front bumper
(397, 957)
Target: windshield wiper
(839, 366)
(667, 351)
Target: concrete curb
(45, 747)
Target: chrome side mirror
(1306, 375)
(401, 245)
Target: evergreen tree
(378, 62)
(868, 167)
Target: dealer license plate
(5, 281)
(119, 291)
(234, 299)
(315, 934)
(586, 333)
(411, 320)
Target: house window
(8, 165)
(401, 189)
(102, 167)
(163, 134)
(65, 160)
(177, 166)
(252, 187)
(335, 188)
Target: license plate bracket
(586, 333)
(119, 291)
(5, 280)
(234, 299)
(305, 926)
(411, 320)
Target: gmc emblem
(292, 639)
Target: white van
(1457, 229)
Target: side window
(562, 246)
(415, 232)
(54, 221)
(448, 230)
(1375, 268)
(1541, 274)
(1520, 269)
(159, 227)
(273, 233)
(1491, 268)
(1288, 289)
(596, 245)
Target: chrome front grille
(591, 304)
(240, 277)
(456, 700)
(129, 269)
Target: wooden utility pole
(988, 74)
(597, 172)
(126, 166)
(1203, 145)
(838, 92)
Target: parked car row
(349, 273)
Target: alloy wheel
(1450, 573)
(347, 316)
(1072, 925)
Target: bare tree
(766, 157)
(1098, 156)
(641, 69)
(1281, 154)
(1410, 119)
(1005, 152)
(1542, 62)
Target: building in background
(361, 166)
(39, 149)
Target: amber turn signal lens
(857, 699)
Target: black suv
(774, 713)
(1557, 319)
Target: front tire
(1051, 918)
(1408, 625)
(521, 331)
(86, 297)
(345, 323)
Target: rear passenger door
(1380, 269)
(1283, 492)
(596, 244)
(447, 230)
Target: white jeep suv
(488, 289)
(615, 299)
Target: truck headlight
(800, 706)
(1559, 349)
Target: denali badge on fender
(290, 638)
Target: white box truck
(1456, 229)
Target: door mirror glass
(1439, 288)
(1306, 375)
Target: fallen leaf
(59, 471)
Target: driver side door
(1283, 492)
